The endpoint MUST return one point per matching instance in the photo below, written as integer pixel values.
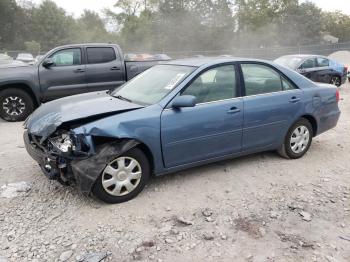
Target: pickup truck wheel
(298, 140)
(15, 105)
(335, 80)
(123, 178)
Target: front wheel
(123, 178)
(15, 105)
(298, 140)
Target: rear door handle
(79, 70)
(294, 99)
(115, 68)
(233, 110)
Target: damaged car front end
(56, 153)
(71, 158)
(66, 155)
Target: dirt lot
(255, 208)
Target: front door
(212, 128)
(65, 77)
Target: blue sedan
(174, 116)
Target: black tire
(286, 149)
(335, 80)
(137, 154)
(24, 102)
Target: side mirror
(48, 62)
(184, 101)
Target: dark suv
(317, 68)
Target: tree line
(171, 25)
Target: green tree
(8, 9)
(337, 24)
(89, 27)
(32, 47)
(300, 25)
(51, 25)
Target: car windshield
(152, 85)
(291, 62)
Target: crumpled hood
(45, 120)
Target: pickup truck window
(67, 57)
(153, 84)
(98, 55)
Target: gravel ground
(254, 208)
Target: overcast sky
(76, 7)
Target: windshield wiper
(123, 98)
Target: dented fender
(86, 171)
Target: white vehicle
(25, 57)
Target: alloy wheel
(14, 105)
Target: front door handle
(233, 110)
(294, 99)
(115, 68)
(79, 70)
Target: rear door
(105, 68)
(271, 104)
(66, 76)
(324, 72)
(212, 128)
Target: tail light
(337, 95)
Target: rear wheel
(335, 80)
(15, 105)
(298, 140)
(123, 178)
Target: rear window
(322, 62)
(309, 63)
(289, 61)
(98, 55)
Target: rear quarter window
(98, 55)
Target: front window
(67, 57)
(214, 85)
(154, 84)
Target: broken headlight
(63, 143)
(69, 144)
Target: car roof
(207, 61)
(86, 44)
(304, 56)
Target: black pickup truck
(64, 71)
